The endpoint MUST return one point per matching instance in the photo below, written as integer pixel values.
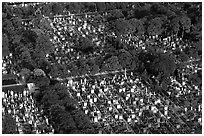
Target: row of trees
(149, 18)
(153, 61)
(60, 108)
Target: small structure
(10, 82)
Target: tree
(125, 59)
(122, 27)
(155, 26)
(62, 120)
(5, 45)
(175, 25)
(185, 23)
(156, 63)
(110, 5)
(84, 45)
(114, 14)
(57, 8)
(41, 81)
(167, 64)
(101, 6)
(142, 11)
(82, 122)
(83, 67)
(112, 63)
(138, 26)
(158, 8)
(9, 125)
(95, 69)
(99, 61)
(43, 44)
(113, 44)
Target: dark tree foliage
(44, 44)
(122, 27)
(155, 26)
(73, 7)
(101, 6)
(59, 106)
(62, 70)
(166, 64)
(158, 64)
(115, 14)
(180, 25)
(28, 36)
(5, 45)
(54, 71)
(83, 67)
(196, 78)
(110, 5)
(41, 81)
(74, 69)
(59, 92)
(9, 125)
(93, 67)
(62, 120)
(84, 45)
(114, 44)
(142, 12)
(112, 63)
(57, 8)
(45, 66)
(82, 122)
(138, 26)
(157, 8)
(99, 61)
(125, 59)
(28, 47)
(90, 6)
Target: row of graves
(17, 101)
(117, 103)
(121, 103)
